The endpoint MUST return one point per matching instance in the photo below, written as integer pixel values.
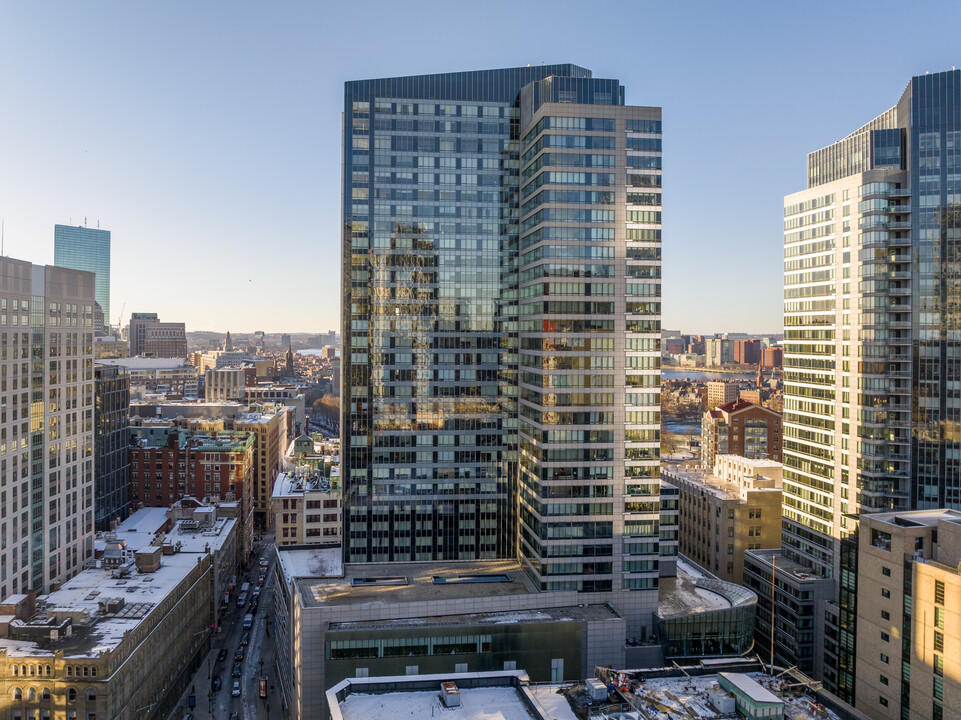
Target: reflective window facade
(501, 251)
(872, 358)
(83, 248)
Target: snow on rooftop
(145, 520)
(311, 562)
(686, 697)
(476, 704)
(82, 595)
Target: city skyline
(152, 154)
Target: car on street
(235, 692)
(237, 671)
(235, 715)
(222, 655)
(216, 683)
(239, 655)
(245, 639)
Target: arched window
(17, 694)
(91, 695)
(71, 694)
(45, 694)
(23, 670)
(31, 694)
(47, 671)
(33, 670)
(16, 670)
(93, 672)
(69, 670)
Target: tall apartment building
(747, 352)
(870, 356)
(501, 326)
(721, 513)
(772, 357)
(46, 425)
(149, 336)
(720, 392)
(83, 248)
(718, 351)
(111, 445)
(909, 615)
(740, 428)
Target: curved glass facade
(713, 633)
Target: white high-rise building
(46, 424)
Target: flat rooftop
(297, 483)
(928, 518)
(366, 583)
(681, 596)
(495, 703)
(784, 565)
(685, 697)
(80, 598)
(510, 617)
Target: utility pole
(773, 574)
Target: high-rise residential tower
(83, 248)
(872, 357)
(501, 325)
(46, 425)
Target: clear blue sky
(206, 135)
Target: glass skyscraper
(501, 327)
(83, 248)
(872, 333)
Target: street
(258, 660)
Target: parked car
(222, 655)
(236, 690)
(216, 683)
(236, 671)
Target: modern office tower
(111, 445)
(871, 354)
(46, 425)
(83, 248)
(501, 324)
(148, 336)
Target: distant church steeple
(228, 345)
(290, 362)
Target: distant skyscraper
(83, 248)
(872, 358)
(46, 426)
(111, 444)
(501, 327)
(148, 336)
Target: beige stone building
(720, 392)
(118, 642)
(721, 514)
(307, 506)
(909, 615)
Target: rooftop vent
(463, 579)
(394, 580)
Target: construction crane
(120, 317)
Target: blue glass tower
(83, 248)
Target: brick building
(740, 428)
(747, 352)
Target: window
(939, 665)
(884, 680)
(939, 618)
(883, 702)
(885, 615)
(885, 593)
(885, 659)
(71, 695)
(939, 592)
(886, 571)
(938, 641)
(885, 637)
